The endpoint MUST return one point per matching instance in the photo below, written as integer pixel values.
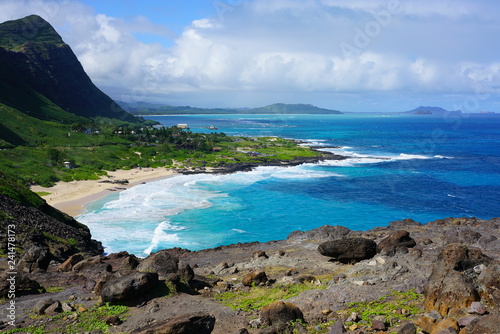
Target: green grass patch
(31, 330)
(89, 320)
(86, 321)
(55, 238)
(259, 297)
(390, 306)
(53, 289)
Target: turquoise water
(399, 166)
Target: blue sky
(357, 55)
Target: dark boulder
(53, 309)
(256, 277)
(92, 265)
(112, 320)
(42, 305)
(279, 313)
(460, 257)
(349, 250)
(198, 323)
(70, 262)
(35, 258)
(18, 283)
(395, 240)
(259, 254)
(127, 289)
(165, 264)
(130, 262)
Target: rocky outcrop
(349, 250)
(127, 289)
(483, 325)
(35, 258)
(489, 283)
(322, 233)
(459, 283)
(166, 266)
(42, 227)
(198, 323)
(70, 262)
(396, 240)
(452, 283)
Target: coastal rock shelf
(397, 288)
(246, 166)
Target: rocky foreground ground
(442, 277)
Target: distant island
(144, 108)
(427, 110)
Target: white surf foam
(238, 230)
(354, 158)
(161, 235)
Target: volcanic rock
(198, 323)
(484, 324)
(35, 258)
(337, 328)
(395, 240)
(489, 283)
(279, 313)
(326, 232)
(70, 262)
(254, 278)
(21, 284)
(349, 250)
(448, 287)
(165, 264)
(128, 288)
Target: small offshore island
(440, 277)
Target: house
(182, 126)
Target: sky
(357, 55)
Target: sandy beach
(72, 197)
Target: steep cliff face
(33, 222)
(34, 57)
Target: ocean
(423, 167)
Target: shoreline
(72, 197)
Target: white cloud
(284, 46)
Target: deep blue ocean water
(422, 167)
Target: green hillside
(41, 76)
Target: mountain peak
(34, 61)
(30, 29)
